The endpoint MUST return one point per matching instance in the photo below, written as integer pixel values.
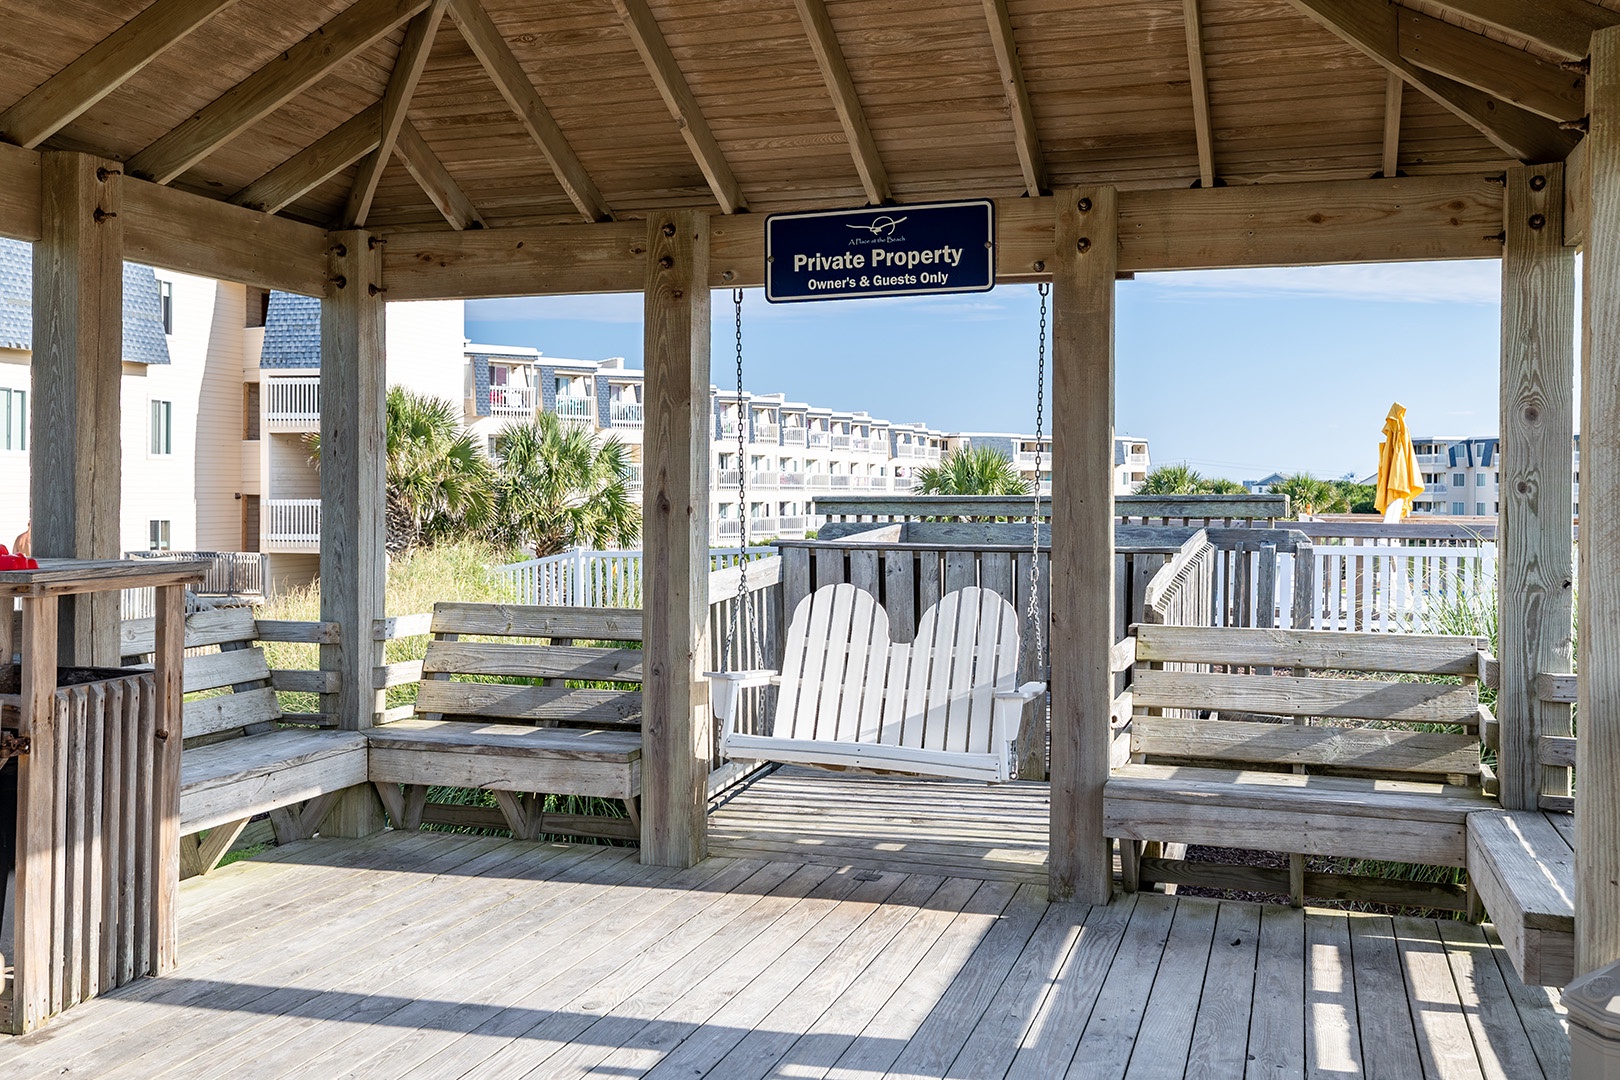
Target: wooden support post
(353, 529)
(168, 660)
(1082, 566)
(36, 799)
(1535, 579)
(78, 369)
(1597, 756)
(677, 730)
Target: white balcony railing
(728, 527)
(576, 410)
(766, 433)
(633, 484)
(841, 480)
(790, 479)
(764, 479)
(841, 442)
(292, 521)
(293, 401)
(902, 483)
(818, 480)
(793, 436)
(819, 438)
(761, 526)
(860, 481)
(728, 478)
(511, 401)
(626, 414)
(790, 525)
(1025, 459)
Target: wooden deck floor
(437, 956)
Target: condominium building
(1131, 459)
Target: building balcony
(818, 480)
(626, 414)
(761, 526)
(511, 401)
(793, 436)
(841, 442)
(860, 442)
(840, 480)
(1025, 459)
(292, 525)
(728, 478)
(293, 403)
(790, 479)
(576, 410)
(633, 482)
(790, 528)
(819, 438)
(764, 479)
(728, 529)
(901, 483)
(860, 481)
(767, 433)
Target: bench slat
(1522, 865)
(137, 636)
(214, 670)
(513, 620)
(510, 740)
(231, 780)
(1364, 699)
(207, 716)
(1424, 654)
(508, 702)
(1369, 749)
(530, 661)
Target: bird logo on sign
(880, 226)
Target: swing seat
(848, 696)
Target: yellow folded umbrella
(1399, 481)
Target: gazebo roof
(786, 103)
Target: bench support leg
(1296, 881)
(301, 822)
(415, 805)
(393, 800)
(632, 807)
(1130, 864)
(201, 853)
(521, 813)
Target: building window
(250, 412)
(166, 303)
(1479, 509)
(1458, 480)
(1479, 480)
(1459, 509)
(258, 306)
(162, 428)
(13, 419)
(158, 535)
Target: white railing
(790, 479)
(728, 527)
(585, 578)
(728, 478)
(860, 481)
(793, 436)
(292, 521)
(860, 442)
(840, 442)
(762, 526)
(1025, 459)
(292, 401)
(1393, 587)
(818, 480)
(628, 414)
(511, 401)
(840, 480)
(576, 410)
(633, 481)
(788, 525)
(818, 438)
(764, 479)
(901, 483)
(766, 433)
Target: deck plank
(1500, 1040)
(1220, 1040)
(1444, 1043)
(1110, 1035)
(1277, 1023)
(1388, 1039)
(1332, 1032)
(1541, 1010)
(1165, 1039)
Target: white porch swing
(849, 696)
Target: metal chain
(740, 612)
(1033, 617)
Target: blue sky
(1238, 372)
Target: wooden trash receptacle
(97, 759)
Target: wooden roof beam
(1200, 93)
(1028, 143)
(435, 180)
(683, 107)
(413, 57)
(513, 83)
(835, 73)
(315, 164)
(104, 68)
(1394, 90)
(1485, 64)
(1561, 26)
(1371, 26)
(272, 86)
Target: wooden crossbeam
(429, 172)
(1028, 143)
(835, 73)
(1371, 26)
(1562, 26)
(1200, 93)
(109, 64)
(1485, 64)
(271, 87)
(513, 82)
(1394, 90)
(683, 107)
(408, 67)
(315, 164)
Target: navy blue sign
(887, 251)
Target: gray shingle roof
(144, 342)
(292, 332)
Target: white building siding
(14, 375)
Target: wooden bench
(1522, 862)
(521, 740)
(1300, 742)
(242, 757)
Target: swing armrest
(1026, 693)
(725, 687)
(744, 679)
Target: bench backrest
(234, 663)
(536, 645)
(845, 680)
(1348, 712)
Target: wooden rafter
(835, 73)
(513, 82)
(1394, 90)
(683, 107)
(266, 90)
(1028, 142)
(1562, 26)
(1500, 70)
(104, 68)
(315, 164)
(1370, 25)
(413, 57)
(1200, 93)
(429, 172)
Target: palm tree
(972, 470)
(1179, 479)
(1308, 495)
(555, 488)
(438, 483)
(1222, 486)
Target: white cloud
(1469, 282)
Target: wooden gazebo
(363, 151)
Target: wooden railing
(844, 513)
(1557, 691)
